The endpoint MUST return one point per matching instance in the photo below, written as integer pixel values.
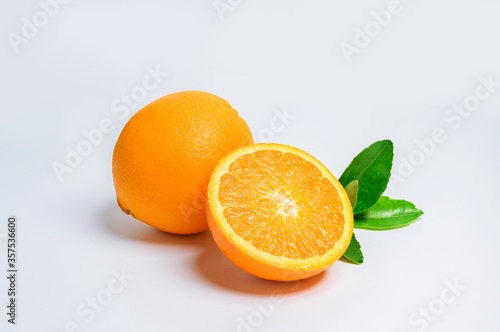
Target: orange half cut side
(277, 212)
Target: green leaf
(387, 214)
(352, 192)
(353, 252)
(372, 168)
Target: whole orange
(165, 155)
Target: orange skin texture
(165, 155)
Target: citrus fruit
(277, 212)
(165, 154)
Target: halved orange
(277, 212)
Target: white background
(262, 57)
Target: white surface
(264, 55)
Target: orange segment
(277, 212)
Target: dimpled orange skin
(165, 155)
